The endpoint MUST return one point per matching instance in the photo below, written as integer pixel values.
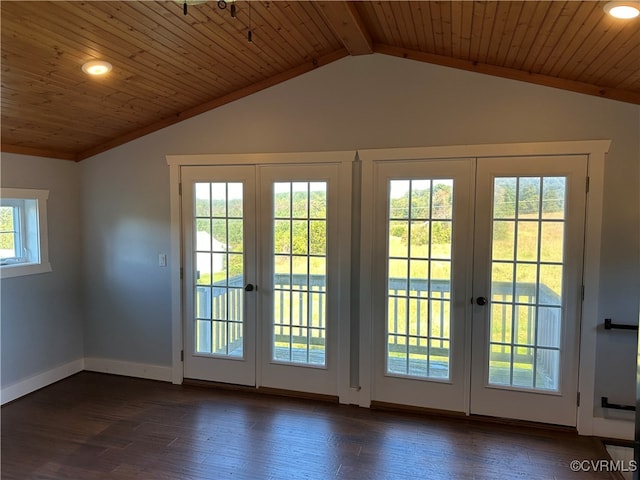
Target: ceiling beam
(513, 74)
(345, 22)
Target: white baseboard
(129, 369)
(613, 428)
(41, 380)
(102, 365)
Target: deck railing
(305, 294)
(540, 316)
(222, 302)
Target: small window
(23, 232)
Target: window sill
(22, 269)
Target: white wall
(41, 315)
(357, 102)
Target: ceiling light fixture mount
(96, 67)
(222, 5)
(624, 10)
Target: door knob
(249, 287)
(481, 300)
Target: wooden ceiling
(169, 67)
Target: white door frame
(345, 160)
(596, 152)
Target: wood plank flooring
(96, 426)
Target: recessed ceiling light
(96, 67)
(624, 10)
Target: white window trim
(42, 265)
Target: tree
(6, 226)
(425, 207)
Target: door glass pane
(419, 255)
(219, 266)
(300, 259)
(526, 282)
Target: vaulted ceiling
(168, 66)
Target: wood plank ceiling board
(626, 43)
(169, 67)
(553, 20)
(437, 25)
(486, 34)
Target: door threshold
(296, 394)
(279, 392)
(399, 407)
(193, 382)
(479, 419)
(523, 423)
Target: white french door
(527, 287)
(220, 269)
(261, 275)
(476, 304)
(422, 252)
(300, 275)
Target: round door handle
(481, 301)
(249, 287)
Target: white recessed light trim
(623, 10)
(96, 67)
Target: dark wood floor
(95, 426)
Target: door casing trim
(596, 150)
(343, 158)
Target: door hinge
(582, 292)
(587, 184)
(181, 273)
(182, 355)
(578, 399)
(180, 189)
